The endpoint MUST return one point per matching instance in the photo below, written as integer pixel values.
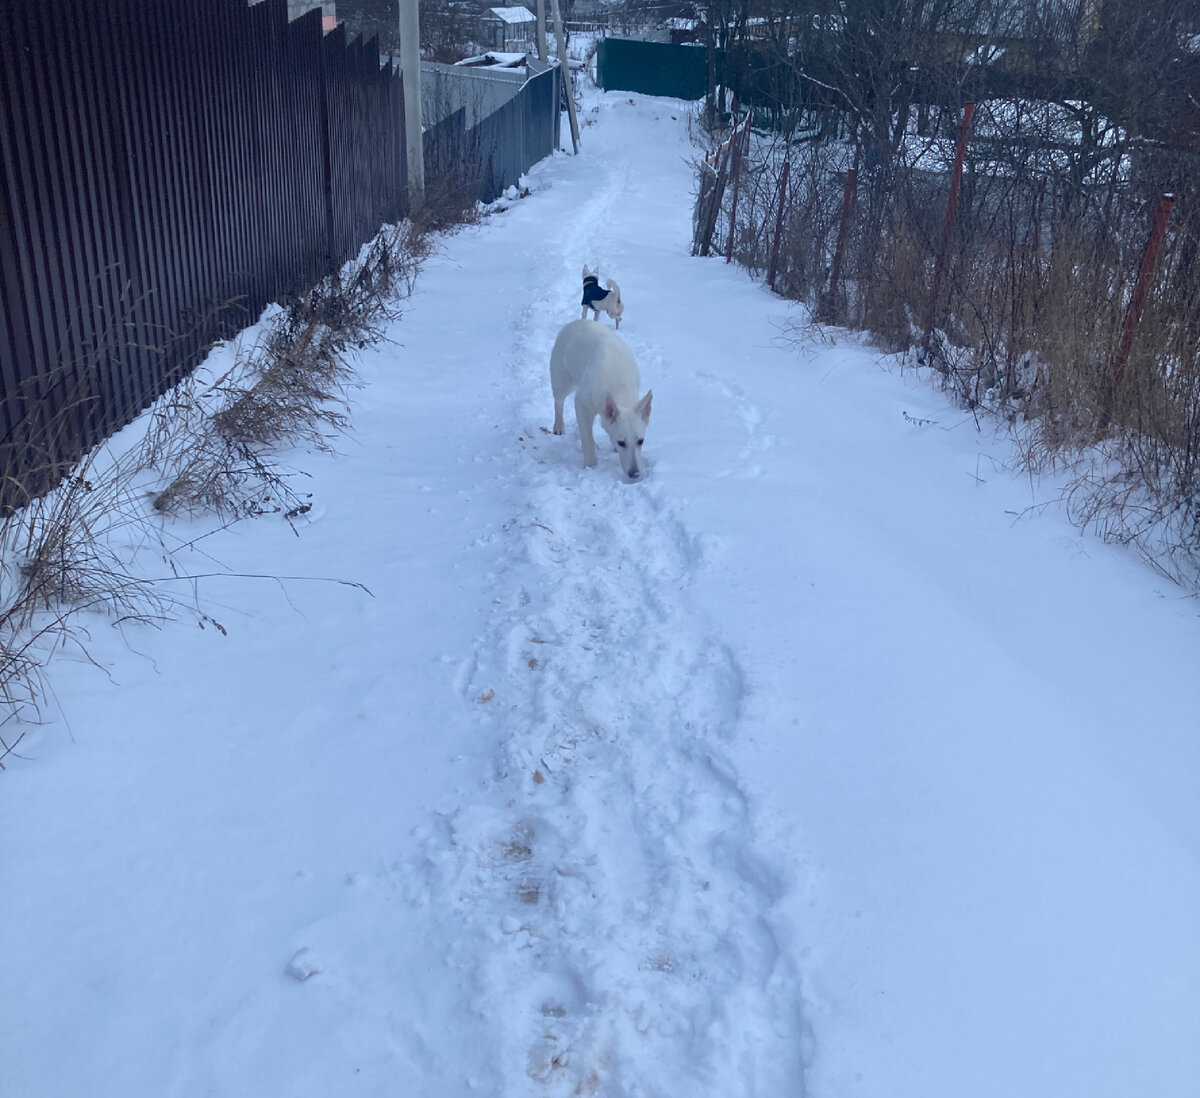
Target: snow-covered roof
(494, 59)
(513, 15)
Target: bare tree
(372, 19)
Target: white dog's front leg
(586, 421)
(559, 426)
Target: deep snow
(803, 767)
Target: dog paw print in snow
(303, 965)
(550, 1063)
(545, 1057)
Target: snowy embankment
(799, 768)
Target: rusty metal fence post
(955, 180)
(1133, 311)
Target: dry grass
(65, 555)
(217, 443)
(215, 447)
(894, 301)
(1037, 281)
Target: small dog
(598, 300)
(599, 368)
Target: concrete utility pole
(410, 74)
(565, 62)
(543, 53)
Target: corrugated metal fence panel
(339, 115)
(543, 118)
(369, 180)
(169, 167)
(391, 178)
(491, 156)
(652, 68)
(293, 172)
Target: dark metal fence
(169, 167)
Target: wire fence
(1048, 281)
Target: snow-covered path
(798, 768)
(609, 860)
(614, 851)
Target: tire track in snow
(609, 862)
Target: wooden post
(1133, 312)
(543, 54)
(738, 140)
(706, 185)
(847, 198)
(565, 63)
(955, 179)
(714, 209)
(410, 75)
(778, 225)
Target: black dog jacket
(592, 292)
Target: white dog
(594, 363)
(598, 300)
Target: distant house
(509, 30)
(1022, 38)
(681, 30)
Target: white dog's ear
(643, 405)
(611, 411)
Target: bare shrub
(809, 228)
(449, 203)
(63, 554)
(217, 442)
(895, 299)
(70, 550)
(1037, 272)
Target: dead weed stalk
(215, 444)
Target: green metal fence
(652, 68)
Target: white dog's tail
(611, 285)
